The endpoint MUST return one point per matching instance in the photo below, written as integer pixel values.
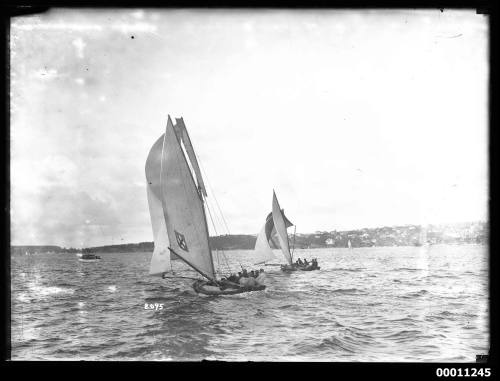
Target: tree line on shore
(407, 235)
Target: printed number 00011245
(463, 372)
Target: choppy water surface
(365, 304)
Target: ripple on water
(372, 304)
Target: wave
(286, 306)
(404, 334)
(347, 291)
(52, 290)
(441, 276)
(334, 342)
(414, 294)
(404, 320)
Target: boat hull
(202, 287)
(89, 260)
(309, 269)
(288, 269)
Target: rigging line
(211, 219)
(293, 244)
(213, 193)
(218, 206)
(210, 204)
(215, 230)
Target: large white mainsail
(160, 261)
(183, 207)
(280, 226)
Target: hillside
(407, 235)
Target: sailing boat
(176, 198)
(422, 237)
(268, 239)
(349, 246)
(275, 227)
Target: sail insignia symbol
(181, 240)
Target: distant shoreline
(227, 250)
(407, 235)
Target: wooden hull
(309, 269)
(288, 269)
(88, 260)
(202, 287)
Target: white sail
(160, 261)
(183, 207)
(349, 244)
(280, 226)
(263, 251)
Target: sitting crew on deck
(252, 274)
(260, 276)
(300, 263)
(248, 282)
(245, 273)
(305, 262)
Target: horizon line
(247, 234)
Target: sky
(356, 118)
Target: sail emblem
(181, 241)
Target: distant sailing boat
(275, 227)
(422, 237)
(176, 205)
(349, 246)
(272, 234)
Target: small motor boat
(89, 258)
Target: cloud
(294, 101)
(59, 215)
(45, 74)
(41, 26)
(127, 28)
(79, 45)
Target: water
(367, 304)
